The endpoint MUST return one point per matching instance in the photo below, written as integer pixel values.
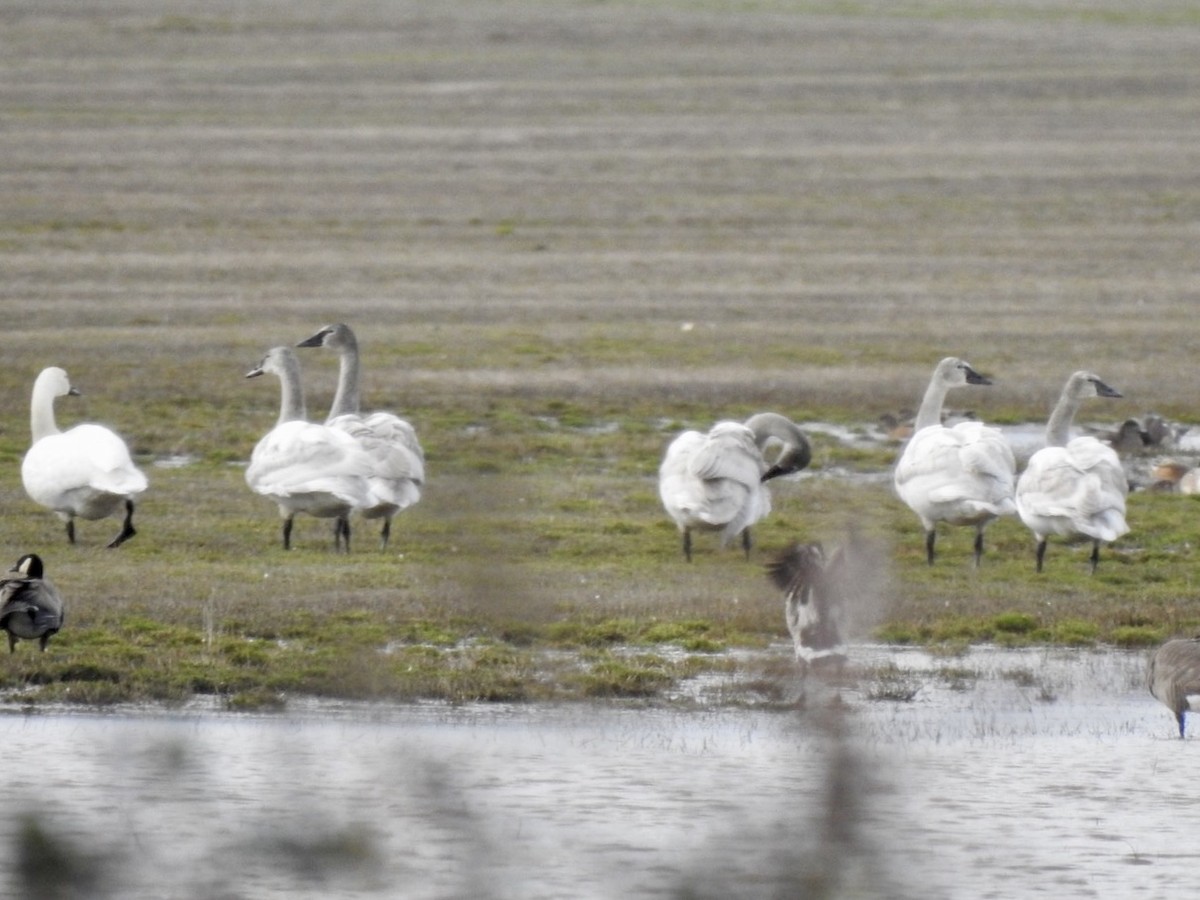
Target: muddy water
(1005, 775)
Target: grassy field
(564, 231)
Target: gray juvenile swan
(84, 472)
(305, 467)
(716, 481)
(1074, 488)
(961, 475)
(31, 608)
(814, 603)
(1174, 677)
(391, 442)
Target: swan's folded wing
(729, 452)
(931, 451)
(85, 456)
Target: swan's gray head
(1082, 385)
(277, 361)
(333, 337)
(29, 565)
(55, 380)
(796, 452)
(953, 371)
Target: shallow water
(1008, 774)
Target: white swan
(716, 481)
(1075, 488)
(391, 442)
(961, 475)
(1174, 677)
(84, 472)
(305, 467)
(31, 608)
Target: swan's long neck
(930, 411)
(1058, 428)
(291, 394)
(41, 412)
(346, 399)
(772, 425)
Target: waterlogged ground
(1005, 774)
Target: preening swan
(398, 462)
(1074, 488)
(1174, 677)
(305, 467)
(31, 608)
(961, 475)
(716, 481)
(814, 603)
(84, 472)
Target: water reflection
(1007, 774)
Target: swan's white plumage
(1074, 488)
(961, 475)
(84, 472)
(309, 468)
(714, 480)
(305, 467)
(398, 462)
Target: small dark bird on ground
(30, 606)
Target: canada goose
(30, 606)
(84, 472)
(391, 442)
(813, 601)
(961, 474)
(716, 481)
(305, 467)
(1074, 488)
(1174, 676)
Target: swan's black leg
(746, 542)
(687, 544)
(287, 532)
(385, 532)
(127, 529)
(341, 534)
(1041, 553)
(930, 538)
(1095, 555)
(71, 530)
(978, 547)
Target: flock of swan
(963, 474)
(372, 463)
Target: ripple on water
(979, 791)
